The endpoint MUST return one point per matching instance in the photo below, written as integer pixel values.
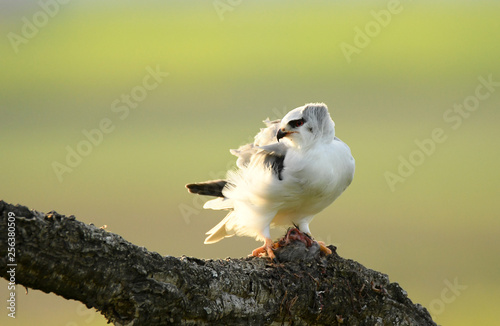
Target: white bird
(295, 168)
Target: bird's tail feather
(208, 188)
(219, 231)
(219, 203)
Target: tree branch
(132, 286)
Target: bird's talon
(324, 249)
(267, 248)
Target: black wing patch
(208, 188)
(276, 162)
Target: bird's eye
(296, 123)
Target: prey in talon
(294, 234)
(295, 168)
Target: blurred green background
(231, 65)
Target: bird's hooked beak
(281, 134)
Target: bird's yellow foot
(324, 249)
(267, 248)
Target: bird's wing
(265, 141)
(265, 148)
(252, 193)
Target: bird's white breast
(315, 177)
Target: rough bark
(130, 285)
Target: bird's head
(307, 124)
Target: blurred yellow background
(422, 210)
